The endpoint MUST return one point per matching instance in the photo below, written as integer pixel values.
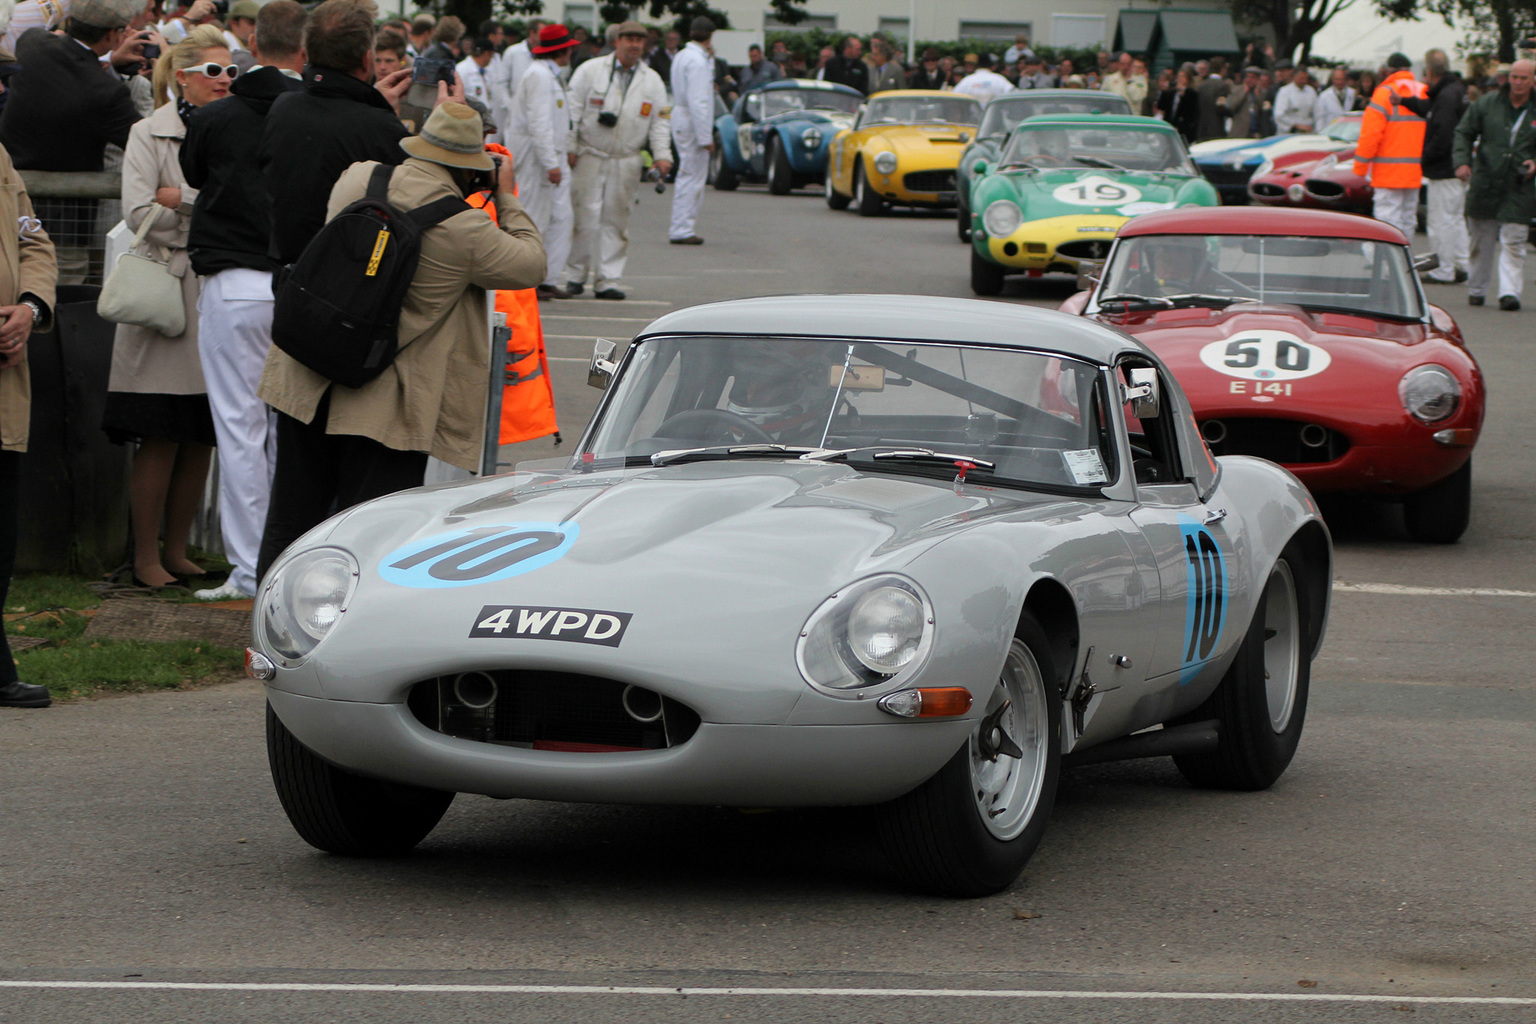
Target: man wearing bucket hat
(540, 137)
(341, 445)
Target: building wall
(1049, 22)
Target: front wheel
(963, 222)
(986, 276)
(1440, 512)
(781, 176)
(866, 199)
(970, 829)
(835, 199)
(720, 173)
(1261, 703)
(339, 812)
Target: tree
(1293, 22)
(1497, 24)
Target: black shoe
(549, 291)
(608, 293)
(1474, 300)
(24, 695)
(1461, 277)
(575, 287)
(1508, 303)
(177, 583)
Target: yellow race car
(904, 150)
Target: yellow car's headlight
(885, 162)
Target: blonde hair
(182, 56)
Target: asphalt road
(1391, 869)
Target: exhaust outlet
(1214, 431)
(475, 690)
(643, 705)
(1314, 435)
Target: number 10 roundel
(483, 554)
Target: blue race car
(779, 133)
(1229, 164)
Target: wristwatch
(36, 308)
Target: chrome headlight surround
(303, 601)
(1267, 166)
(875, 632)
(1430, 393)
(1002, 218)
(885, 162)
(811, 139)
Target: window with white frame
(1078, 30)
(996, 31)
(826, 22)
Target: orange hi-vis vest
(528, 401)
(1391, 146)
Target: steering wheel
(695, 423)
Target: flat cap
(106, 13)
(1283, 64)
(632, 28)
(244, 9)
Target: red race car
(1316, 178)
(1303, 337)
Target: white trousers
(1398, 207)
(234, 332)
(602, 196)
(688, 194)
(549, 207)
(1446, 223)
(1490, 237)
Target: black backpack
(337, 308)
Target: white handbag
(142, 291)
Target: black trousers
(10, 504)
(320, 474)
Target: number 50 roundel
(483, 554)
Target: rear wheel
(971, 828)
(339, 812)
(865, 198)
(1440, 512)
(781, 176)
(720, 173)
(1261, 703)
(986, 276)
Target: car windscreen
(1004, 113)
(938, 108)
(1136, 149)
(1339, 274)
(779, 101)
(1344, 129)
(1038, 418)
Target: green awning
(1134, 33)
(1204, 32)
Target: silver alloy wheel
(1282, 645)
(716, 159)
(773, 164)
(1007, 789)
(858, 187)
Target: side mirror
(965, 137)
(1428, 261)
(600, 372)
(978, 168)
(1142, 393)
(1088, 273)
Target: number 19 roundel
(1207, 597)
(483, 554)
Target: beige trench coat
(27, 267)
(432, 398)
(144, 361)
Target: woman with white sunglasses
(156, 394)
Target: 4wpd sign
(576, 625)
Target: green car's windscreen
(1126, 148)
(1004, 112)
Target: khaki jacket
(432, 398)
(27, 267)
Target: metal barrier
(77, 209)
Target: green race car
(1063, 186)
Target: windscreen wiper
(1094, 161)
(893, 452)
(1128, 300)
(1198, 299)
(728, 451)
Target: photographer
(617, 102)
(1494, 153)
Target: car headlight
(875, 631)
(885, 162)
(1429, 393)
(811, 139)
(305, 599)
(1002, 218)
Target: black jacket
(232, 222)
(849, 71)
(63, 107)
(1447, 102)
(919, 78)
(309, 138)
(1183, 114)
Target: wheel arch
(1050, 603)
(1310, 545)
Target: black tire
(1440, 512)
(339, 812)
(866, 199)
(963, 222)
(938, 836)
(835, 199)
(986, 276)
(1259, 724)
(781, 176)
(720, 173)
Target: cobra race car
(821, 550)
(780, 133)
(1303, 336)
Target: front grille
(1288, 442)
(551, 711)
(1095, 249)
(1227, 175)
(1324, 189)
(1267, 190)
(929, 181)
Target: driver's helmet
(781, 385)
(1177, 261)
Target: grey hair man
(1494, 153)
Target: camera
(221, 8)
(607, 118)
(150, 51)
(431, 70)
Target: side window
(754, 107)
(1154, 439)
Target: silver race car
(820, 550)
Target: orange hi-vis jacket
(1391, 146)
(528, 400)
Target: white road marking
(1396, 588)
(627, 302)
(572, 337)
(567, 359)
(615, 319)
(862, 993)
